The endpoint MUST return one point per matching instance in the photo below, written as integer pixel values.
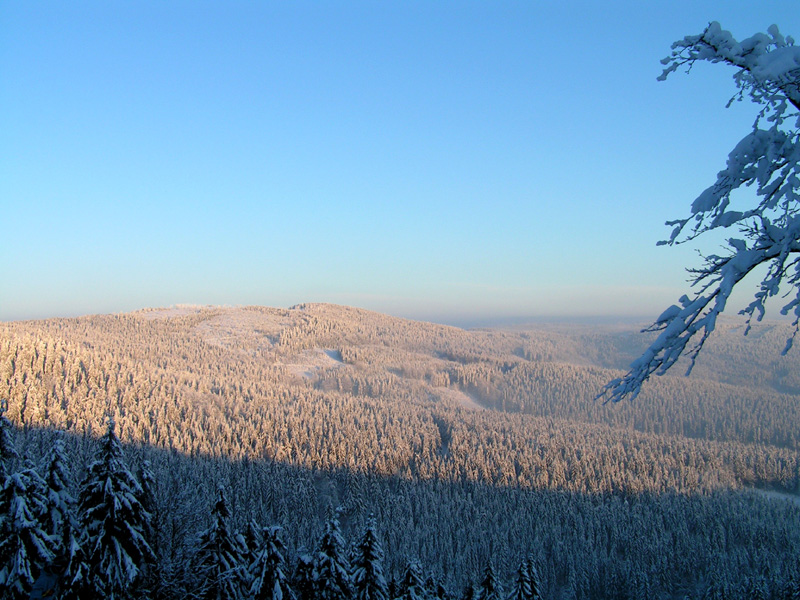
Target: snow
(766, 159)
(309, 363)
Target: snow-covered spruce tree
(114, 521)
(218, 562)
(393, 587)
(74, 575)
(756, 589)
(412, 587)
(7, 449)
(151, 584)
(490, 588)
(717, 590)
(767, 160)
(468, 593)
(60, 503)
(434, 588)
(303, 577)
(268, 570)
(61, 522)
(791, 589)
(441, 592)
(522, 589)
(147, 498)
(331, 566)
(369, 582)
(253, 542)
(25, 547)
(535, 579)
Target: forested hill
(465, 444)
(207, 361)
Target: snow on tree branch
(767, 160)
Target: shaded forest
(468, 448)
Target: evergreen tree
(114, 521)
(437, 591)
(441, 592)
(430, 586)
(490, 588)
(147, 498)
(7, 449)
(369, 582)
(469, 592)
(756, 589)
(434, 589)
(303, 577)
(412, 586)
(332, 569)
(522, 586)
(70, 562)
(152, 581)
(268, 568)
(25, 547)
(74, 576)
(792, 589)
(219, 557)
(715, 590)
(59, 500)
(536, 582)
(253, 542)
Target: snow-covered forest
(321, 450)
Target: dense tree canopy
(767, 160)
(292, 411)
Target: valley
(466, 445)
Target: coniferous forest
(329, 452)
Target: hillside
(342, 402)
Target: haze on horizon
(448, 162)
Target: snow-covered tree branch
(767, 160)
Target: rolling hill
(453, 438)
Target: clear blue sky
(441, 160)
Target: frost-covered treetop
(766, 160)
(768, 62)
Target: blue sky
(437, 160)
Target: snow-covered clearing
(459, 397)
(779, 495)
(309, 362)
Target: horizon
(455, 320)
(474, 322)
(460, 162)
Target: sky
(438, 160)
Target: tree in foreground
(490, 588)
(469, 592)
(523, 585)
(369, 582)
(115, 549)
(332, 569)
(535, 580)
(767, 160)
(268, 569)
(25, 547)
(7, 449)
(412, 587)
(60, 519)
(303, 578)
(219, 557)
(60, 503)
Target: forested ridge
(468, 447)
